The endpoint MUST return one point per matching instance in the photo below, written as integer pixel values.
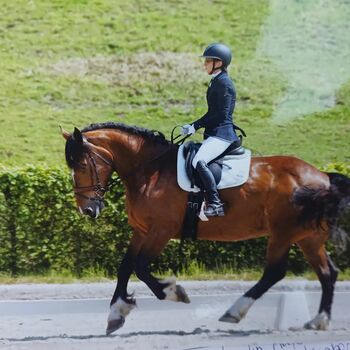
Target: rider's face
(208, 65)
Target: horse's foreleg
(274, 271)
(327, 274)
(163, 289)
(121, 303)
(157, 238)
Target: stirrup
(214, 210)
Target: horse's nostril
(88, 211)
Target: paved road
(35, 318)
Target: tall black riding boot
(215, 206)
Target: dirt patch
(141, 68)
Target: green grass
(53, 276)
(44, 45)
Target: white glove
(188, 130)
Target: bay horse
(285, 198)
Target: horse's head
(91, 167)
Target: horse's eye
(82, 165)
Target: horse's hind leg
(314, 251)
(275, 270)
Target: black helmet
(220, 52)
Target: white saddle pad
(235, 171)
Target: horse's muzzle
(94, 209)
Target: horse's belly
(232, 228)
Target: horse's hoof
(309, 325)
(229, 318)
(182, 295)
(113, 325)
(320, 322)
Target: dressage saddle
(191, 148)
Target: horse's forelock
(74, 152)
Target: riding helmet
(220, 52)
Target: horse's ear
(78, 136)
(65, 133)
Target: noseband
(96, 187)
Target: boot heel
(210, 212)
(220, 212)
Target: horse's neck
(133, 154)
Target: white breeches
(210, 149)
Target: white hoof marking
(238, 310)
(120, 309)
(320, 322)
(170, 290)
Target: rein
(179, 141)
(147, 162)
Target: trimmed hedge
(41, 230)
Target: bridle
(97, 187)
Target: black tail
(318, 205)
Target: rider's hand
(188, 130)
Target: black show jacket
(221, 99)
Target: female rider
(219, 130)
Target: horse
(285, 198)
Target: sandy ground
(74, 317)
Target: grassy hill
(74, 62)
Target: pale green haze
(309, 42)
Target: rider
(219, 131)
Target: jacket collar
(217, 76)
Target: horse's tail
(320, 205)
